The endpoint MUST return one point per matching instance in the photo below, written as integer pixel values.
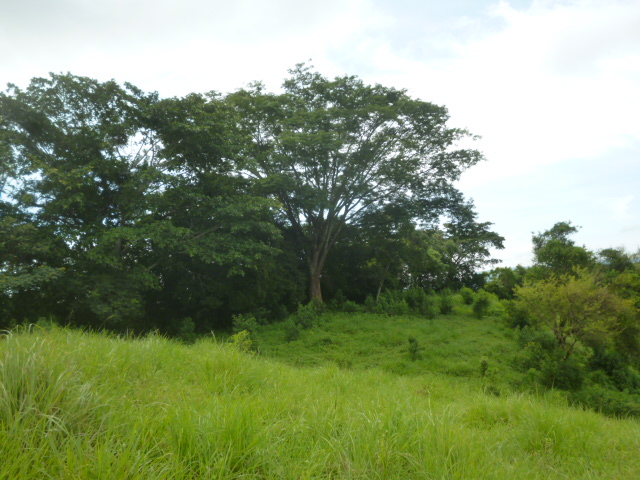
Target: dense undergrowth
(83, 405)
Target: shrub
(481, 303)
(187, 331)
(338, 301)
(517, 317)
(446, 304)
(350, 307)
(292, 330)
(370, 305)
(306, 316)
(607, 401)
(484, 366)
(243, 342)
(562, 373)
(393, 303)
(467, 295)
(421, 303)
(430, 307)
(415, 298)
(414, 349)
(245, 321)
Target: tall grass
(78, 406)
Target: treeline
(577, 317)
(121, 210)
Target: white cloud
(621, 207)
(549, 83)
(558, 81)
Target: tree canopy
(335, 151)
(123, 210)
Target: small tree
(573, 307)
(556, 253)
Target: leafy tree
(332, 151)
(556, 253)
(616, 259)
(130, 190)
(468, 250)
(574, 307)
(503, 280)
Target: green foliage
(557, 253)
(187, 331)
(481, 303)
(242, 341)
(307, 151)
(516, 315)
(370, 304)
(123, 211)
(414, 349)
(484, 366)
(446, 303)
(246, 322)
(422, 303)
(607, 401)
(392, 302)
(306, 316)
(467, 295)
(351, 307)
(503, 281)
(545, 362)
(267, 417)
(574, 307)
(616, 259)
(292, 330)
(114, 218)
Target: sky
(552, 87)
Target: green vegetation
(319, 232)
(80, 405)
(123, 211)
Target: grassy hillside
(78, 405)
(454, 345)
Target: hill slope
(78, 405)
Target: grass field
(345, 401)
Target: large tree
(332, 151)
(112, 193)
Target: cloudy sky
(551, 86)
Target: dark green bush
(561, 373)
(446, 304)
(481, 303)
(351, 307)
(607, 401)
(421, 303)
(245, 321)
(370, 305)
(292, 330)
(415, 298)
(393, 303)
(484, 366)
(516, 317)
(306, 316)
(414, 349)
(467, 295)
(187, 331)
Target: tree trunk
(316, 266)
(315, 287)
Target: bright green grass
(87, 406)
(453, 345)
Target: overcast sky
(551, 86)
